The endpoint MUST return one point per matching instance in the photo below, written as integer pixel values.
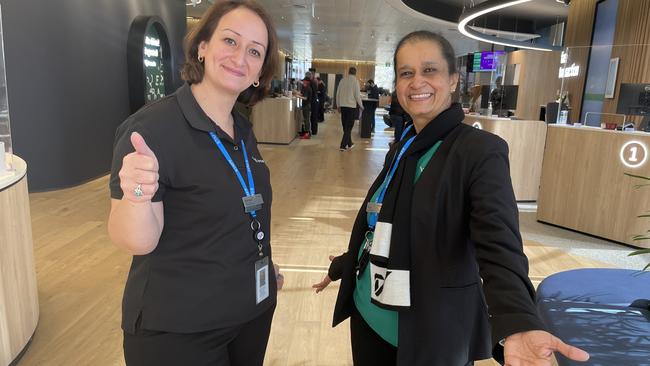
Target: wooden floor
(317, 192)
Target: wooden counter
(274, 120)
(18, 292)
(526, 143)
(583, 186)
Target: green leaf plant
(645, 236)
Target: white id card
(261, 279)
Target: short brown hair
(193, 71)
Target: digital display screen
(485, 61)
(153, 66)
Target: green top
(382, 321)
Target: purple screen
(488, 60)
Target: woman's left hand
(279, 278)
(536, 347)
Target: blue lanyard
(372, 220)
(248, 191)
(405, 132)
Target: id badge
(261, 280)
(373, 207)
(252, 203)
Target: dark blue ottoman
(589, 308)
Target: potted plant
(647, 214)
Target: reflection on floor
(317, 192)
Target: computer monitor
(503, 98)
(634, 100)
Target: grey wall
(67, 80)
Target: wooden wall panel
(538, 81)
(365, 70)
(632, 47)
(578, 39)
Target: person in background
(435, 272)
(373, 93)
(475, 99)
(307, 97)
(322, 91)
(398, 116)
(190, 200)
(348, 98)
(496, 96)
(315, 104)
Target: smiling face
(423, 83)
(235, 53)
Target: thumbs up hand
(139, 173)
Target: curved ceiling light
(488, 7)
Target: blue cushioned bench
(589, 308)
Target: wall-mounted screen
(149, 61)
(483, 61)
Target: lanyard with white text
(252, 202)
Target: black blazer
(465, 249)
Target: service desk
(525, 140)
(274, 120)
(583, 186)
(18, 292)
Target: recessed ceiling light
(298, 6)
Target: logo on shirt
(261, 161)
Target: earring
(201, 58)
(256, 84)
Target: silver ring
(137, 191)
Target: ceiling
(364, 30)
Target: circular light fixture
(489, 7)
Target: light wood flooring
(317, 192)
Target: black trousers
(372, 108)
(314, 117)
(242, 345)
(398, 124)
(368, 348)
(321, 107)
(347, 120)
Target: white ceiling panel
(365, 30)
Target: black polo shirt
(201, 275)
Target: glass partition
(605, 86)
(6, 163)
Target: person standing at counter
(437, 236)
(475, 99)
(322, 94)
(373, 93)
(397, 116)
(315, 104)
(348, 97)
(191, 199)
(307, 97)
